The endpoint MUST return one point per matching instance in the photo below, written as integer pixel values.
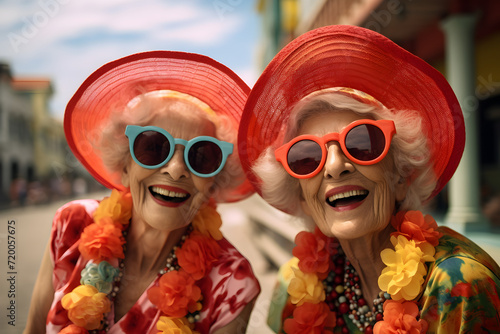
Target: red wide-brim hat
(361, 59)
(115, 84)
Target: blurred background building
(36, 165)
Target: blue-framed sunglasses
(152, 147)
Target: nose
(336, 164)
(176, 167)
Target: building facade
(36, 164)
(17, 163)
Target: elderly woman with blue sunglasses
(158, 128)
(354, 134)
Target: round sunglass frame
(386, 126)
(132, 131)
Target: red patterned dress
(226, 290)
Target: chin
(346, 230)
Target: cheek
(134, 178)
(383, 195)
(308, 190)
(203, 185)
(312, 204)
(385, 199)
(137, 178)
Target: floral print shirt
(226, 290)
(460, 295)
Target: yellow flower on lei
(404, 275)
(117, 207)
(305, 287)
(168, 325)
(86, 306)
(286, 270)
(208, 222)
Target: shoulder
(461, 274)
(232, 274)
(232, 263)
(77, 210)
(227, 289)
(460, 261)
(77, 214)
(455, 253)
(462, 287)
(69, 221)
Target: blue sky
(66, 40)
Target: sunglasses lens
(151, 148)
(365, 142)
(304, 157)
(205, 157)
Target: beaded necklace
(346, 298)
(325, 288)
(176, 294)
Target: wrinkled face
(347, 200)
(168, 197)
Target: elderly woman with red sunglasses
(158, 128)
(354, 134)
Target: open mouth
(168, 195)
(347, 198)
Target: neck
(148, 248)
(364, 255)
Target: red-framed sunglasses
(364, 142)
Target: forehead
(185, 124)
(323, 122)
(178, 116)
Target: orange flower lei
(311, 309)
(176, 295)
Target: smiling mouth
(347, 198)
(168, 195)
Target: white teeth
(168, 193)
(347, 194)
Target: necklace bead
(345, 296)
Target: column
(464, 212)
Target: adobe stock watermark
(486, 87)
(222, 7)
(35, 22)
(70, 164)
(382, 18)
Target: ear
(125, 176)
(401, 189)
(305, 206)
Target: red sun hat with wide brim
(361, 59)
(115, 84)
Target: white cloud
(204, 31)
(249, 74)
(134, 16)
(157, 21)
(13, 11)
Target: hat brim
(358, 58)
(112, 86)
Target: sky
(66, 40)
